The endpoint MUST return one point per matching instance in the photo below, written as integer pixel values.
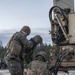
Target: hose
(60, 58)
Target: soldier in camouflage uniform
(17, 49)
(39, 66)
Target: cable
(50, 12)
(56, 40)
(59, 60)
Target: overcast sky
(14, 14)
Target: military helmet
(44, 55)
(26, 29)
(38, 39)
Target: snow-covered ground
(72, 72)
(6, 72)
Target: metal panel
(72, 28)
(64, 3)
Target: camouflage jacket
(18, 46)
(37, 68)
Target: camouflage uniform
(39, 66)
(17, 49)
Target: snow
(6, 72)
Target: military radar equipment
(62, 19)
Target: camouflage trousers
(15, 68)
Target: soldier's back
(38, 68)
